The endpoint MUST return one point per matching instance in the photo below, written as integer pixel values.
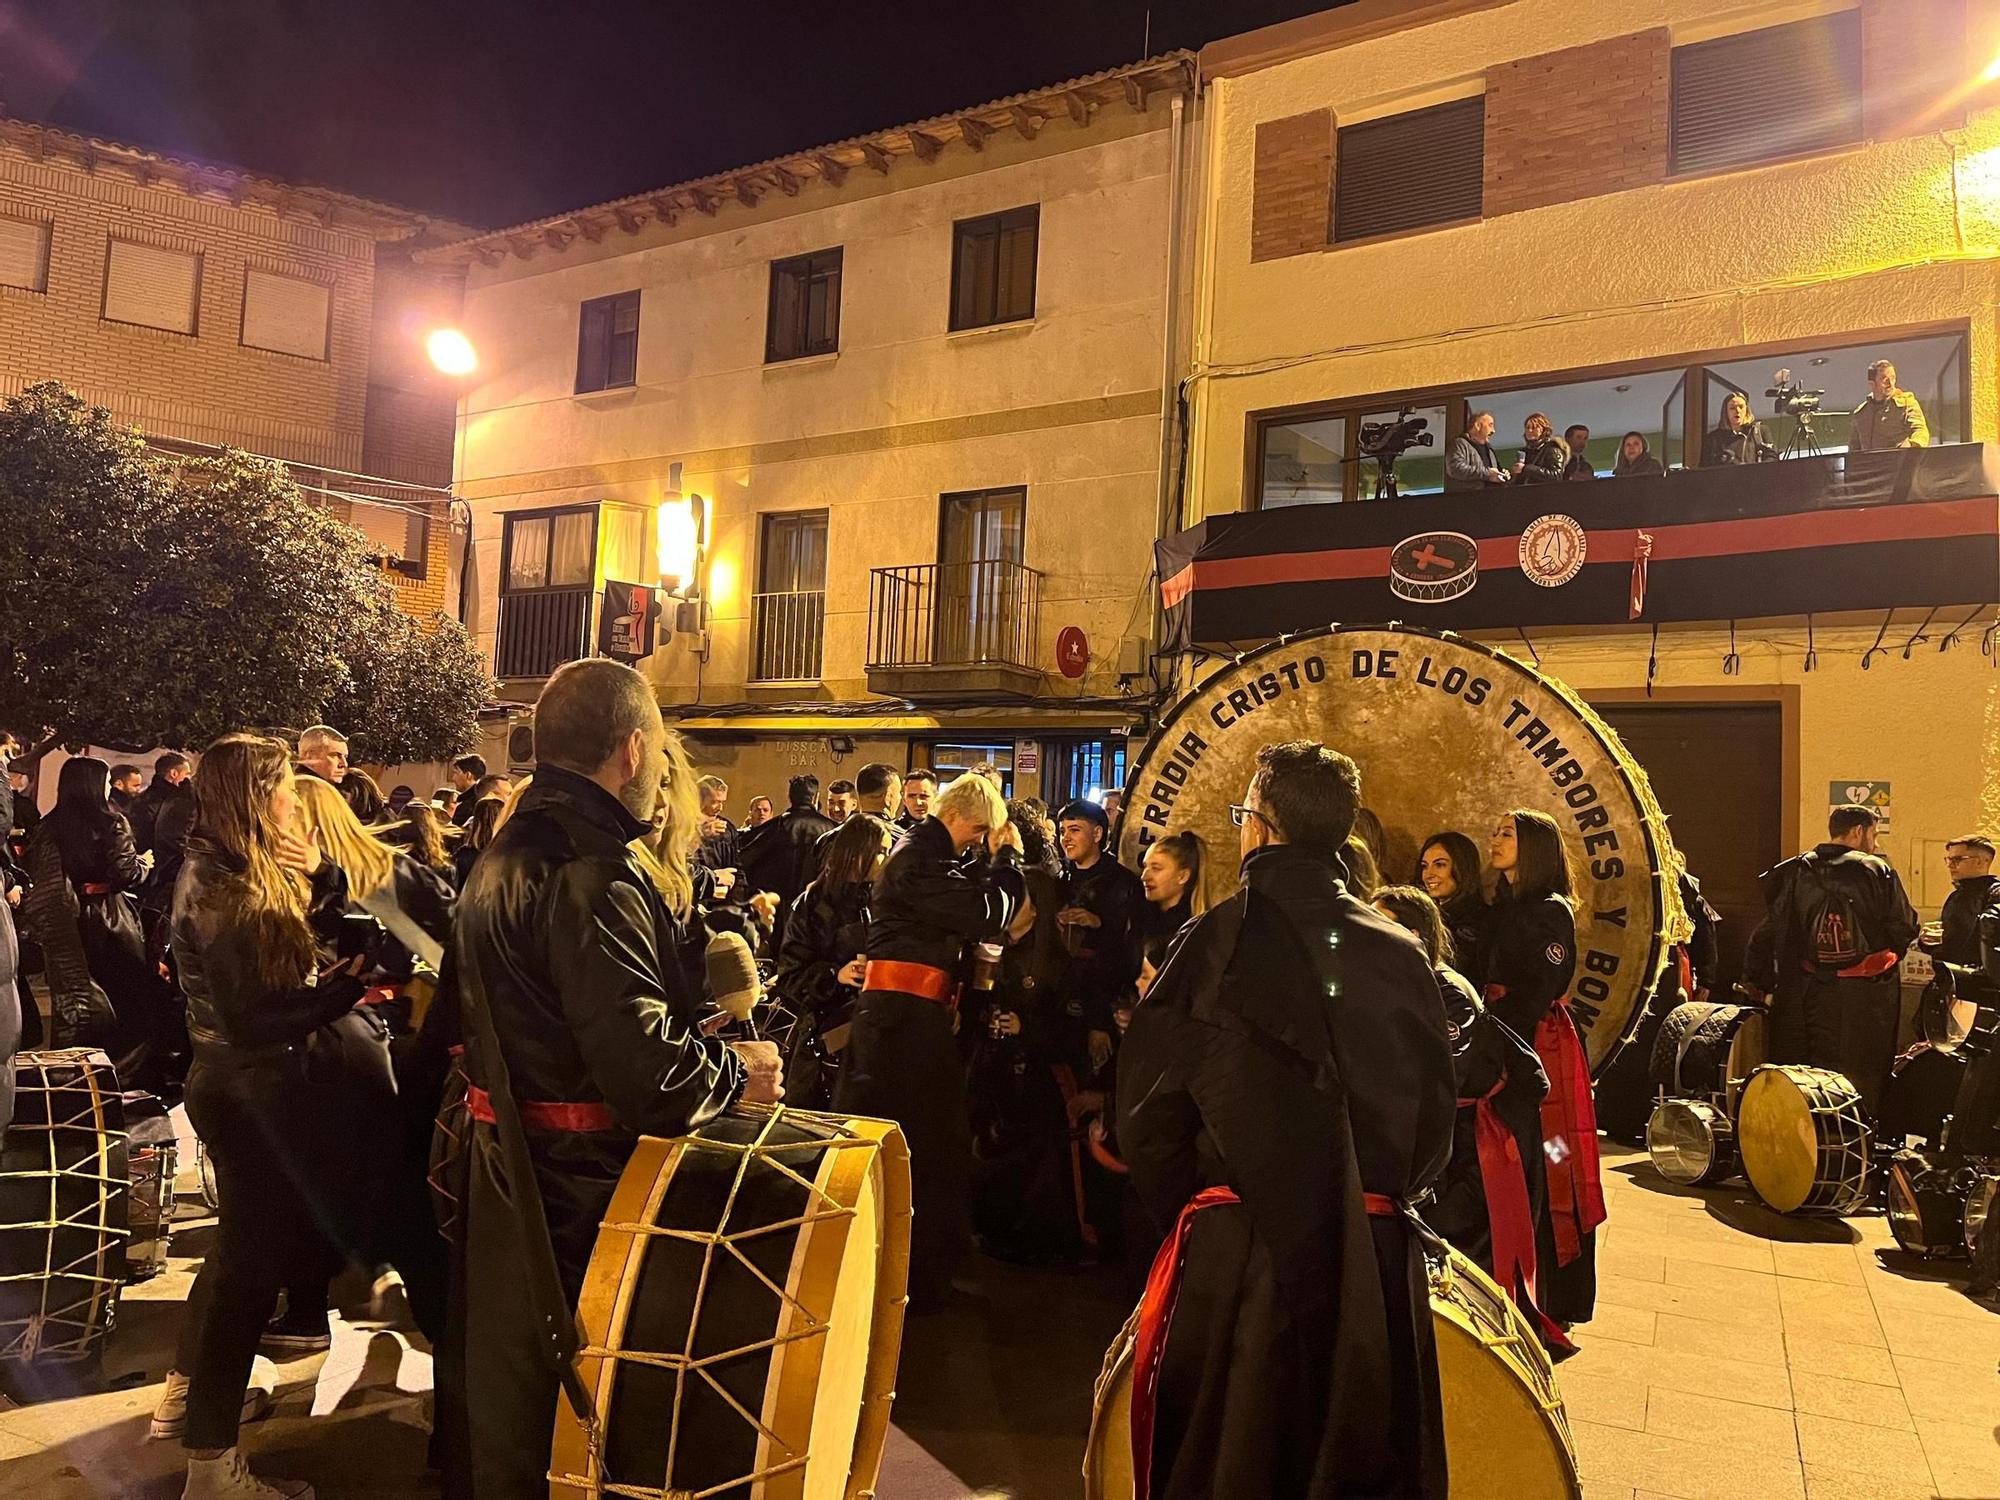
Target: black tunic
(1294, 1050)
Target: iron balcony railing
(953, 614)
(791, 629)
(539, 631)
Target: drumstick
(732, 978)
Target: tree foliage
(151, 600)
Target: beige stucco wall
(1878, 236)
(1067, 405)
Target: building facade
(1620, 215)
(882, 422)
(209, 306)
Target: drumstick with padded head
(732, 978)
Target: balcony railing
(539, 631)
(791, 628)
(954, 614)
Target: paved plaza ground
(1735, 1356)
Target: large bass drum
(64, 1197)
(743, 1314)
(1498, 733)
(1506, 1434)
(1805, 1140)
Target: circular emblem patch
(1552, 550)
(1556, 953)
(1433, 567)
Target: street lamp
(452, 352)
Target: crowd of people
(1889, 417)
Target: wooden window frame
(508, 521)
(1000, 223)
(611, 306)
(815, 265)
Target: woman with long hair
(256, 909)
(1170, 876)
(425, 838)
(1530, 959)
(103, 870)
(821, 962)
(480, 826)
(1635, 458)
(1737, 437)
(1487, 1202)
(1544, 456)
(1448, 871)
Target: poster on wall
(1873, 795)
(628, 622)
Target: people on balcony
(1890, 418)
(1737, 437)
(1543, 455)
(1469, 463)
(1635, 458)
(1576, 438)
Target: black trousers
(1848, 1025)
(903, 1064)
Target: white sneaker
(229, 1478)
(170, 1416)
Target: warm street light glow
(1992, 73)
(679, 541)
(452, 352)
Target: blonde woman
(255, 903)
(412, 903)
(1737, 437)
(1543, 454)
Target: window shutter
(1759, 95)
(285, 314)
(151, 286)
(24, 253)
(1405, 171)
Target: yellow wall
(1068, 405)
(1876, 236)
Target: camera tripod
(1805, 441)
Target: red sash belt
(925, 981)
(1505, 1178)
(1569, 1117)
(1156, 1317)
(380, 994)
(537, 1114)
(94, 888)
(1872, 967)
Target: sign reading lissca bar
(1449, 735)
(1867, 531)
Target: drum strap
(561, 1339)
(1156, 1316)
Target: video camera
(1792, 398)
(1388, 441)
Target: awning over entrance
(1845, 532)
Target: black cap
(1086, 810)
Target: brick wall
(1577, 123)
(1912, 58)
(1293, 187)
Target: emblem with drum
(1449, 734)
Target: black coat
(1971, 919)
(1870, 884)
(781, 855)
(158, 796)
(1294, 1049)
(1543, 462)
(1746, 445)
(827, 931)
(1101, 975)
(929, 904)
(575, 953)
(1531, 954)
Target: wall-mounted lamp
(680, 537)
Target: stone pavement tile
(1845, 1484)
(1836, 1263)
(1625, 1325)
(1850, 1400)
(1637, 1265)
(1605, 1399)
(1947, 1390)
(1642, 1368)
(1964, 1459)
(1825, 1356)
(20, 1447)
(1760, 1286)
(1686, 1470)
(1710, 1419)
(1928, 1336)
(1736, 1252)
(1763, 1346)
(1819, 1309)
(1895, 1295)
(1738, 1305)
(1833, 1444)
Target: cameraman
(1889, 418)
(1737, 437)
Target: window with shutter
(152, 286)
(607, 343)
(285, 314)
(1406, 171)
(1759, 95)
(805, 306)
(993, 267)
(24, 253)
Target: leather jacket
(1100, 975)
(780, 855)
(233, 1014)
(827, 930)
(1887, 920)
(928, 905)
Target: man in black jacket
(928, 910)
(1101, 900)
(173, 777)
(720, 838)
(1285, 1089)
(919, 787)
(1839, 925)
(779, 856)
(572, 949)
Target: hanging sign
(627, 624)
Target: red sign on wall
(1072, 651)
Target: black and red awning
(1812, 535)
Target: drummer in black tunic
(1285, 1088)
(930, 908)
(571, 945)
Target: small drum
(152, 1156)
(1979, 1209)
(1691, 1142)
(1721, 1052)
(1953, 1021)
(63, 1204)
(1927, 1204)
(743, 1314)
(1506, 1434)
(205, 1175)
(1805, 1140)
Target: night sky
(507, 110)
